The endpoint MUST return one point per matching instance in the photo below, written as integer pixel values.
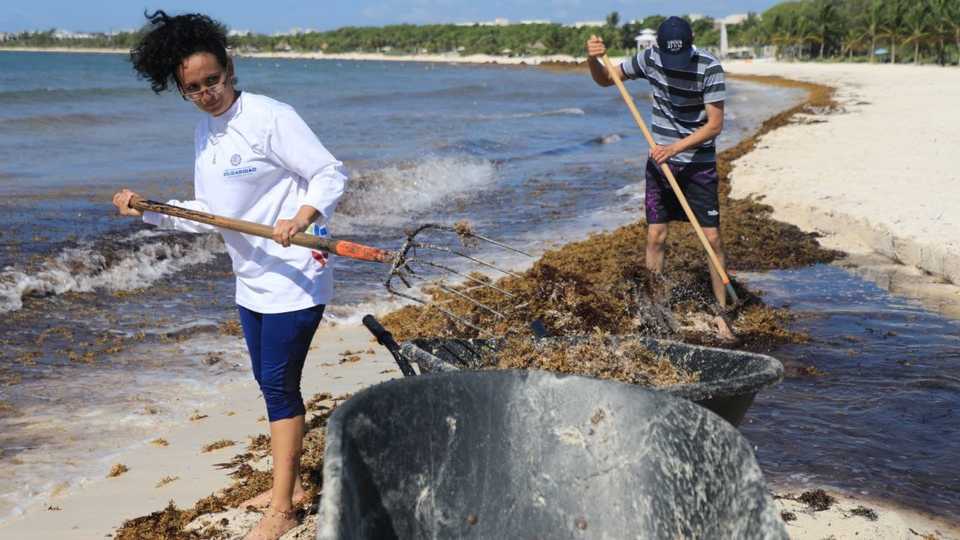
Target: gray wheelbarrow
(530, 454)
(729, 380)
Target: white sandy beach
(878, 180)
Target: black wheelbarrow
(531, 454)
(729, 380)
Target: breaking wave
(392, 195)
(131, 263)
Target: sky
(282, 15)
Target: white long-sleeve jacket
(260, 162)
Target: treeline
(920, 31)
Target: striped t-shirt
(679, 98)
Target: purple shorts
(698, 181)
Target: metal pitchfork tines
(413, 262)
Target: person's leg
(252, 323)
(656, 246)
(719, 290)
(701, 183)
(658, 204)
(285, 342)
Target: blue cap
(675, 43)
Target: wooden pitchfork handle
(330, 245)
(712, 255)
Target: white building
(731, 20)
(588, 24)
(694, 17)
(499, 21)
(66, 34)
(4, 36)
(646, 38)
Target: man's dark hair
(167, 41)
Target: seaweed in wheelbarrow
(722, 380)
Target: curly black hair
(167, 41)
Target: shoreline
(447, 58)
(899, 229)
(134, 493)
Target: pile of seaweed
(596, 356)
(602, 284)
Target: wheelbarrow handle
(385, 338)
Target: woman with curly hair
(256, 160)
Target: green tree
(917, 19)
(895, 14)
(824, 20)
(613, 19)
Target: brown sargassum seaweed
(595, 356)
(601, 283)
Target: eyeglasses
(213, 84)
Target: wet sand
(878, 179)
(96, 509)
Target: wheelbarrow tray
(531, 454)
(729, 380)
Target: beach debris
(52, 508)
(595, 356)
(259, 444)
(866, 513)
(231, 328)
(197, 416)
(167, 480)
(818, 500)
(465, 232)
(212, 358)
(787, 516)
(217, 445)
(161, 442)
(350, 359)
(117, 470)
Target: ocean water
(110, 327)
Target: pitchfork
(409, 264)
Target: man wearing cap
(688, 91)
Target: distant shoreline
(77, 50)
(352, 56)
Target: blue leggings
(278, 345)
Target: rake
(423, 258)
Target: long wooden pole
(337, 247)
(711, 254)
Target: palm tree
(852, 40)
(940, 26)
(953, 12)
(874, 24)
(917, 20)
(823, 16)
(894, 19)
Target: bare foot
(275, 523)
(263, 500)
(724, 330)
